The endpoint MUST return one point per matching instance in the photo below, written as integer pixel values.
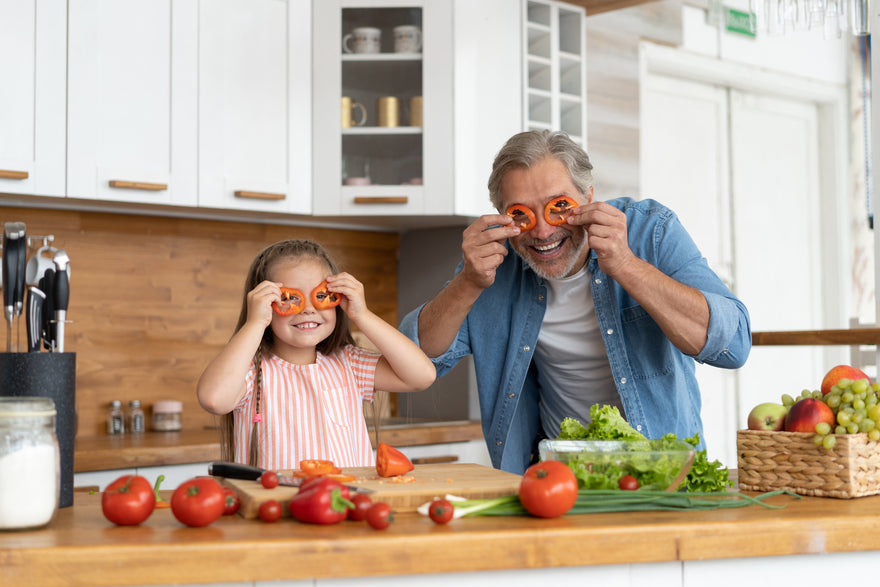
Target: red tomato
(548, 489)
(628, 483)
(440, 511)
(269, 479)
(362, 504)
(270, 511)
(379, 516)
(232, 502)
(391, 462)
(128, 501)
(198, 502)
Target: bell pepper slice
(317, 467)
(390, 462)
(555, 212)
(522, 217)
(292, 302)
(323, 299)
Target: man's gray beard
(539, 271)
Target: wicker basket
(768, 461)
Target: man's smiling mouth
(547, 248)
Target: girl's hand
(353, 301)
(259, 303)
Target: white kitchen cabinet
(33, 60)
(255, 105)
(554, 67)
(132, 100)
(412, 168)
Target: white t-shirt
(573, 368)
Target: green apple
(767, 416)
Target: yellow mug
(388, 108)
(348, 107)
(415, 111)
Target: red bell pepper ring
(522, 217)
(292, 302)
(390, 462)
(322, 501)
(324, 299)
(555, 212)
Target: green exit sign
(739, 22)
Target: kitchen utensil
(427, 482)
(38, 263)
(239, 471)
(348, 118)
(407, 39)
(62, 296)
(363, 40)
(13, 272)
(47, 285)
(34, 318)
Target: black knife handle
(20, 270)
(47, 284)
(10, 265)
(234, 470)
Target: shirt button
(540, 298)
(598, 281)
(499, 443)
(610, 331)
(623, 380)
(527, 348)
(511, 395)
(639, 427)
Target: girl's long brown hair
(259, 271)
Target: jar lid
(167, 407)
(27, 406)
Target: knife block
(51, 375)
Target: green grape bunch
(856, 407)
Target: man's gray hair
(525, 149)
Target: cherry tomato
(555, 210)
(269, 479)
(440, 511)
(128, 501)
(548, 489)
(292, 302)
(391, 462)
(270, 511)
(198, 502)
(232, 502)
(323, 299)
(362, 504)
(522, 217)
(379, 516)
(628, 483)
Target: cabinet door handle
(434, 460)
(381, 200)
(10, 174)
(259, 195)
(138, 185)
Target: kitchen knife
(34, 318)
(239, 471)
(61, 297)
(12, 232)
(47, 285)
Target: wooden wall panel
(154, 299)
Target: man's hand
(483, 248)
(606, 234)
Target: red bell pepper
(390, 462)
(322, 501)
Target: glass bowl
(599, 464)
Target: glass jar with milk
(29, 462)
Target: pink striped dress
(310, 411)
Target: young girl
(291, 387)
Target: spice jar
(167, 416)
(134, 419)
(115, 418)
(30, 462)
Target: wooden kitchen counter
(81, 548)
(107, 452)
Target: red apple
(768, 416)
(806, 413)
(841, 372)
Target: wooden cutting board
(427, 482)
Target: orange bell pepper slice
(522, 217)
(555, 212)
(292, 302)
(323, 299)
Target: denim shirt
(655, 380)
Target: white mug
(362, 40)
(37, 265)
(407, 39)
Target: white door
(741, 170)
